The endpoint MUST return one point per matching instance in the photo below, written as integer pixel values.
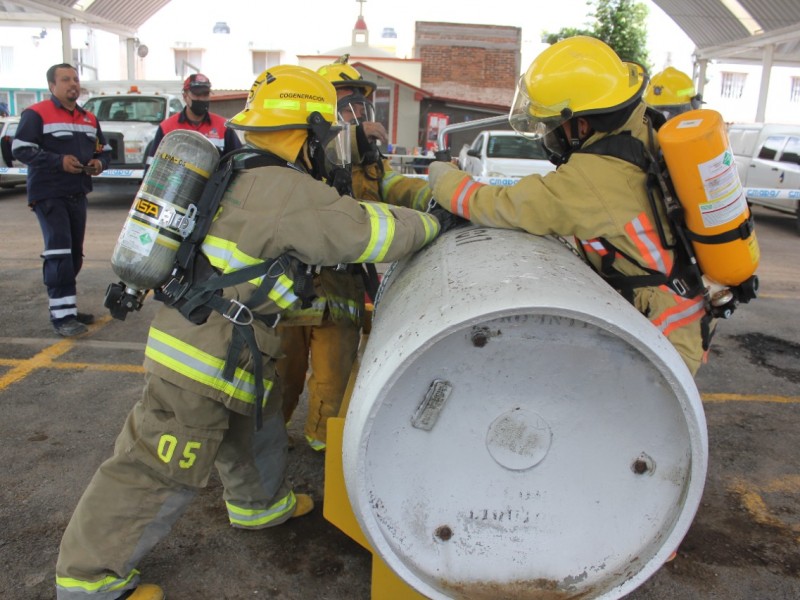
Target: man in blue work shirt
(63, 146)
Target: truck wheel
(797, 221)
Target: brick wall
(481, 56)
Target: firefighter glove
(443, 155)
(447, 220)
(435, 171)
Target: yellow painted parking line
(67, 366)
(46, 359)
(750, 398)
(41, 360)
(753, 500)
(787, 296)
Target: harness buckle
(235, 311)
(680, 287)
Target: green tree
(619, 23)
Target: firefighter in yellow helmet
(325, 336)
(672, 92)
(586, 105)
(276, 216)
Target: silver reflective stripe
(248, 517)
(201, 366)
(421, 198)
(17, 143)
(57, 128)
(382, 232)
(691, 310)
(63, 301)
(653, 251)
(58, 252)
(108, 588)
(226, 256)
(462, 197)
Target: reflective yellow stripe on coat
(227, 257)
(200, 366)
(382, 232)
(391, 179)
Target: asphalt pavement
(64, 402)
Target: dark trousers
(63, 223)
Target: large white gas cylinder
(517, 429)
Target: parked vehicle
(503, 154)
(8, 129)
(768, 161)
(129, 122)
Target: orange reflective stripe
(680, 315)
(459, 203)
(642, 233)
(594, 245)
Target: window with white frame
(6, 59)
(23, 100)
(733, 84)
(264, 59)
(188, 61)
(794, 90)
(382, 103)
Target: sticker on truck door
(725, 197)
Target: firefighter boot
(304, 505)
(146, 591)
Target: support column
(66, 41)
(763, 92)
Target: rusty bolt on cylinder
(479, 338)
(643, 464)
(444, 533)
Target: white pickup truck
(501, 157)
(129, 121)
(768, 161)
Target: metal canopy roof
(123, 17)
(740, 30)
(727, 30)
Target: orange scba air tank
(703, 172)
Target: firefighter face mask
(328, 145)
(355, 108)
(337, 145)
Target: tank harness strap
(630, 149)
(742, 232)
(685, 278)
(196, 287)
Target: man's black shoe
(85, 318)
(70, 327)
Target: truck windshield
(127, 108)
(511, 146)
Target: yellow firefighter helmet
(672, 92)
(343, 75)
(285, 103)
(577, 76)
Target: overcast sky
(313, 26)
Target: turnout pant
(331, 348)
(164, 454)
(63, 224)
